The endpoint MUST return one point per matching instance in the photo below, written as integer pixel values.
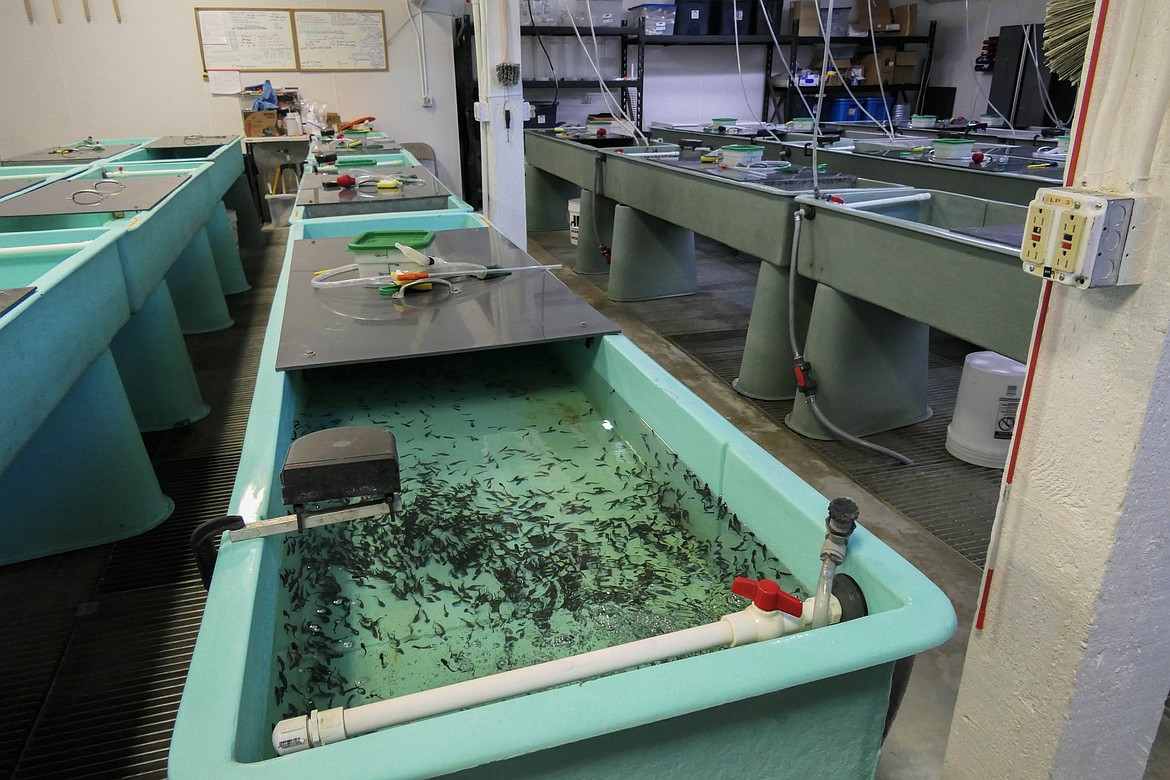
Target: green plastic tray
(384, 240)
(355, 162)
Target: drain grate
(951, 499)
(95, 692)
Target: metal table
(53, 155)
(58, 197)
(1013, 183)
(12, 186)
(315, 200)
(360, 325)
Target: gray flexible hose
(797, 354)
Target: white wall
(959, 41)
(61, 82)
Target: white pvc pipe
(117, 174)
(402, 709)
(869, 204)
(43, 248)
(739, 628)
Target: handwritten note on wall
(284, 39)
(341, 40)
(246, 39)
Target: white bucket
(574, 220)
(280, 207)
(985, 411)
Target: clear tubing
(822, 601)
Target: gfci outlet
(1086, 239)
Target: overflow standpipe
(839, 526)
(772, 613)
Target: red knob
(767, 595)
(345, 180)
(600, 131)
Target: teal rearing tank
(557, 498)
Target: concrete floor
(916, 745)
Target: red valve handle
(767, 595)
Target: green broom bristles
(1066, 36)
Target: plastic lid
(384, 240)
(724, 119)
(742, 148)
(953, 141)
(923, 116)
(355, 162)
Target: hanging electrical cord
(422, 49)
(825, 35)
(1045, 100)
(552, 68)
(787, 69)
(878, 70)
(975, 78)
(804, 380)
(612, 103)
(820, 104)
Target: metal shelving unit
(785, 96)
(628, 36)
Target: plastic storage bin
(878, 108)
(692, 17)
(653, 18)
(733, 17)
(952, 148)
(605, 13)
(844, 110)
(544, 116)
(839, 23)
(742, 154)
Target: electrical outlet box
(1085, 239)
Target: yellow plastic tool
(389, 184)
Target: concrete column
(501, 114)
(1068, 676)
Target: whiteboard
(340, 40)
(246, 39)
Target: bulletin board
(340, 40)
(246, 39)
(280, 39)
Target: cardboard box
(842, 65)
(906, 65)
(879, 12)
(904, 20)
(879, 65)
(258, 124)
(807, 23)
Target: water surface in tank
(541, 520)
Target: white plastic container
(742, 154)
(985, 410)
(654, 18)
(923, 120)
(801, 124)
(574, 220)
(991, 120)
(280, 207)
(952, 148)
(606, 13)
